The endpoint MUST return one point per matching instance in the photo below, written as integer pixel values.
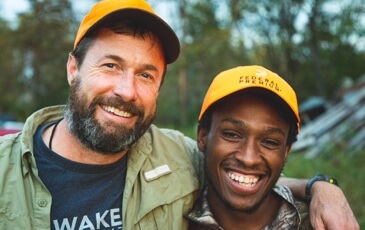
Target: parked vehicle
(9, 127)
(8, 131)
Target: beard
(110, 138)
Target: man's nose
(126, 87)
(249, 154)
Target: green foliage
(35, 58)
(346, 167)
(44, 47)
(207, 49)
(314, 55)
(215, 35)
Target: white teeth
(247, 180)
(243, 180)
(117, 111)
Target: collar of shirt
(288, 215)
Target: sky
(9, 8)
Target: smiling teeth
(243, 180)
(117, 111)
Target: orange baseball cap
(244, 77)
(138, 10)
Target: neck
(74, 150)
(234, 219)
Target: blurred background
(318, 46)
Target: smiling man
(248, 122)
(98, 162)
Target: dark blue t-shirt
(83, 196)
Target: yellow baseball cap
(244, 77)
(138, 10)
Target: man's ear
(202, 138)
(72, 69)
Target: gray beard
(108, 139)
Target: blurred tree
(330, 40)
(9, 70)
(43, 40)
(312, 43)
(272, 26)
(207, 48)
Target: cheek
(215, 156)
(95, 85)
(276, 162)
(148, 96)
(211, 167)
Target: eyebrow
(268, 129)
(121, 60)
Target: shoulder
(9, 145)
(14, 146)
(300, 207)
(173, 141)
(303, 210)
(285, 193)
(172, 134)
(174, 146)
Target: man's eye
(146, 75)
(270, 143)
(110, 65)
(230, 135)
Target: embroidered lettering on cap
(157, 172)
(261, 80)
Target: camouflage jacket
(293, 213)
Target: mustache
(117, 102)
(230, 163)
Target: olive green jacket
(151, 200)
